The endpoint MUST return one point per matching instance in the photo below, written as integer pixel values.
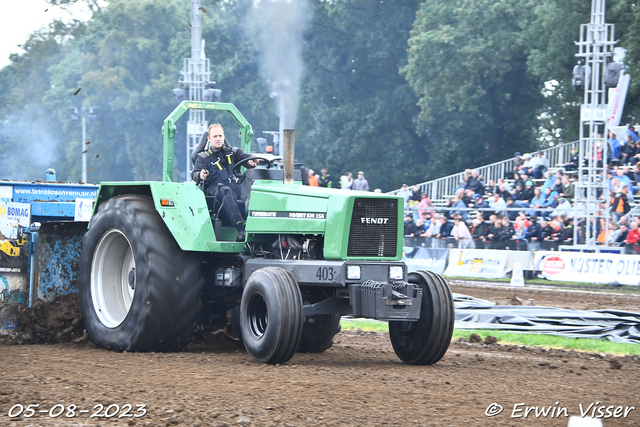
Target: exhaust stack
(289, 146)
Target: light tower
(595, 49)
(89, 113)
(195, 85)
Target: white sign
(597, 114)
(12, 216)
(6, 192)
(84, 209)
(477, 263)
(589, 267)
(617, 96)
(196, 128)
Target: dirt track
(358, 382)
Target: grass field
(597, 287)
(536, 340)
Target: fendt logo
(374, 220)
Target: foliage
(468, 64)
(405, 90)
(357, 111)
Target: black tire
(318, 336)
(234, 312)
(128, 243)
(271, 315)
(425, 342)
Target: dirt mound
(57, 321)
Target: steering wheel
(236, 168)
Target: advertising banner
(617, 97)
(13, 242)
(13, 288)
(477, 263)
(589, 267)
(6, 193)
(430, 259)
(84, 209)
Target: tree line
(405, 90)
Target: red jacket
(633, 236)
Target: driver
(214, 166)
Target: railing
(512, 244)
(438, 189)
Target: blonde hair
(215, 125)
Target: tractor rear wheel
(425, 341)
(271, 315)
(138, 290)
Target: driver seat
(214, 207)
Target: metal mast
(592, 189)
(195, 74)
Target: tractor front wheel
(425, 341)
(271, 315)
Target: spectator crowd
(532, 207)
(346, 182)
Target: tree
(357, 111)
(468, 65)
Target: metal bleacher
(438, 189)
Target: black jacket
(534, 230)
(220, 166)
(445, 229)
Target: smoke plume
(279, 26)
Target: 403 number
(325, 274)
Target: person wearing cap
(480, 203)
(526, 165)
(518, 160)
(360, 184)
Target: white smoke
(279, 27)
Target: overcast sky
(19, 18)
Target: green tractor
(158, 262)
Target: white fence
(438, 189)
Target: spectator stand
(437, 189)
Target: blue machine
(50, 201)
(51, 265)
